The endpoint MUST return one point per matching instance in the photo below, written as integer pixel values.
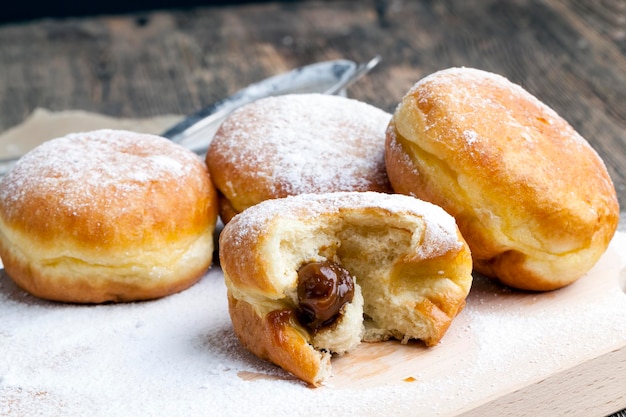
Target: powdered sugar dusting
(440, 235)
(173, 356)
(474, 90)
(470, 136)
(81, 166)
(306, 143)
(179, 356)
(494, 135)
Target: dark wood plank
(569, 53)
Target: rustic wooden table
(569, 53)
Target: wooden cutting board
(507, 354)
(517, 353)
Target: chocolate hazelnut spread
(323, 289)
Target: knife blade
(328, 77)
(197, 130)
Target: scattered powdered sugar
(474, 118)
(474, 90)
(470, 136)
(304, 143)
(440, 234)
(179, 356)
(174, 356)
(403, 158)
(82, 165)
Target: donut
(107, 216)
(296, 144)
(313, 275)
(531, 197)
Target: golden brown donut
(107, 216)
(296, 144)
(406, 275)
(532, 198)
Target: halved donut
(316, 274)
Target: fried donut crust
(531, 197)
(107, 216)
(294, 144)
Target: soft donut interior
(400, 292)
(285, 259)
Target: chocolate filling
(323, 289)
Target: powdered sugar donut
(295, 144)
(316, 274)
(532, 198)
(107, 216)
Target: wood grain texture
(569, 53)
(562, 394)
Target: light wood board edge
(596, 387)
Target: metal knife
(329, 77)
(196, 131)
